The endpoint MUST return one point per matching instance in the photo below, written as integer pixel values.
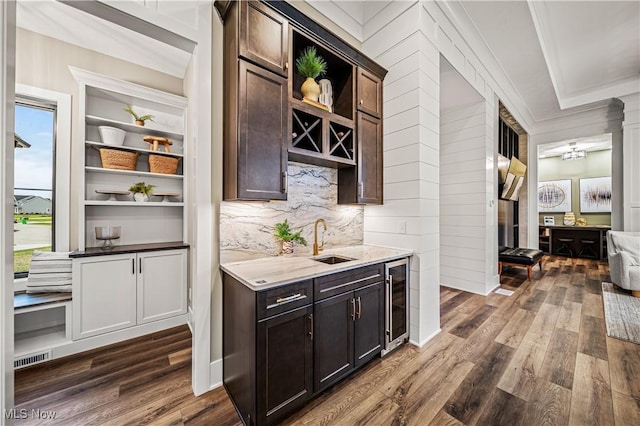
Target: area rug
(621, 313)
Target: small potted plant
(140, 119)
(141, 191)
(284, 234)
(310, 65)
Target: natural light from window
(33, 184)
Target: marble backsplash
(313, 194)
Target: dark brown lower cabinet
(333, 347)
(348, 333)
(280, 348)
(369, 324)
(284, 369)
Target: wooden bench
(520, 257)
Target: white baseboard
(82, 345)
(425, 341)
(215, 374)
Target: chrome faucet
(317, 249)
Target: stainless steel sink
(332, 260)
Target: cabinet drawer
(281, 299)
(340, 282)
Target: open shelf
(36, 340)
(98, 145)
(90, 169)
(134, 203)
(339, 71)
(133, 128)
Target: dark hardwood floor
(540, 356)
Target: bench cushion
(520, 256)
(49, 272)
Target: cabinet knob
(361, 101)
(286, 66)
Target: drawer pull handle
(284, 300)
(335, 287)
(310, 316)
(353, 309)
(289, 298)
(359, 313)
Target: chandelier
(574, 154)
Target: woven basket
(163, 164)
(117, 159)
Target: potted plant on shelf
(284, 234)
(140, 119)
(310, 65)
(141, 191)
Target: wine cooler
(396, 304)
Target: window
(34, 180)
(58, 190)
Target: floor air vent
(31, 359)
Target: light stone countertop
(274, 271)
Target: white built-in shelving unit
(102, 101)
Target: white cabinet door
(162, 285)
(104, 294)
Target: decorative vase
(287, 247)
(140, 123)
(569, 219)
(140, 197)
(310, 89)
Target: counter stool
(587, 249)
(564, 249)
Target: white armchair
(623, 250)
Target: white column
(7, 96)
(409, 218)
(630, 161)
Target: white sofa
(623, 249)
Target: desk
(570, 241)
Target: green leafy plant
(283, 232)
(137, 117)
(142, 188)
(310, 64)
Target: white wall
(631, 173)
(409, 217)
(463, 199)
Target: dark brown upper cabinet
(264, 37)
(369, 93)
(363, 184)
(271, 35)
(255, 150)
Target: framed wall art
(554, 196)
(595, 195)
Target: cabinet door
(284, 363)
(333, 339)
(104, 294)
(264, 37)
(369, 323)
(369, 93)
(369, 159)
(162, 285)
(262, 130)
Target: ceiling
(589, 144)
(562, 54)
(455, 91)
(71, 25)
